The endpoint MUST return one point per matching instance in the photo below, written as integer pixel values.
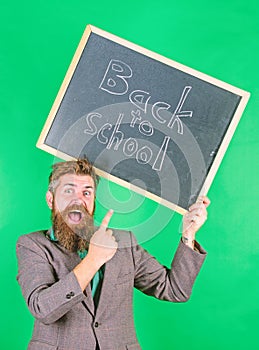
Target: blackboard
(146, 122)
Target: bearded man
(78, 280)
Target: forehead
(76, 180)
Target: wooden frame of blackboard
(244, 96)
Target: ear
(49, 199)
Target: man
(78, 280)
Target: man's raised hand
(103, 245)
(194, 219)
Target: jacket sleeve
(47, 297)
(174, 284)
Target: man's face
(75, 189)
(72, 209)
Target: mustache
(76, 207)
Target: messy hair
(78, 167)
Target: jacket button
(96, 324)
(70, 295)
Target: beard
(77, 236)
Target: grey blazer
(65, 317)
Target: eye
(87, 193)
(68, 190)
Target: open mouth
(75, 216)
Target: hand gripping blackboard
(146, 122)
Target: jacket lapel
(88, 301)
(111, 272)
(72, 260)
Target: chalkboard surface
(146, 122)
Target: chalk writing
(113, 137)
(116, 81)
(115, 78)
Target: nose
(78, 198)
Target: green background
(219, 38)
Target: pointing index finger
(107, 219)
